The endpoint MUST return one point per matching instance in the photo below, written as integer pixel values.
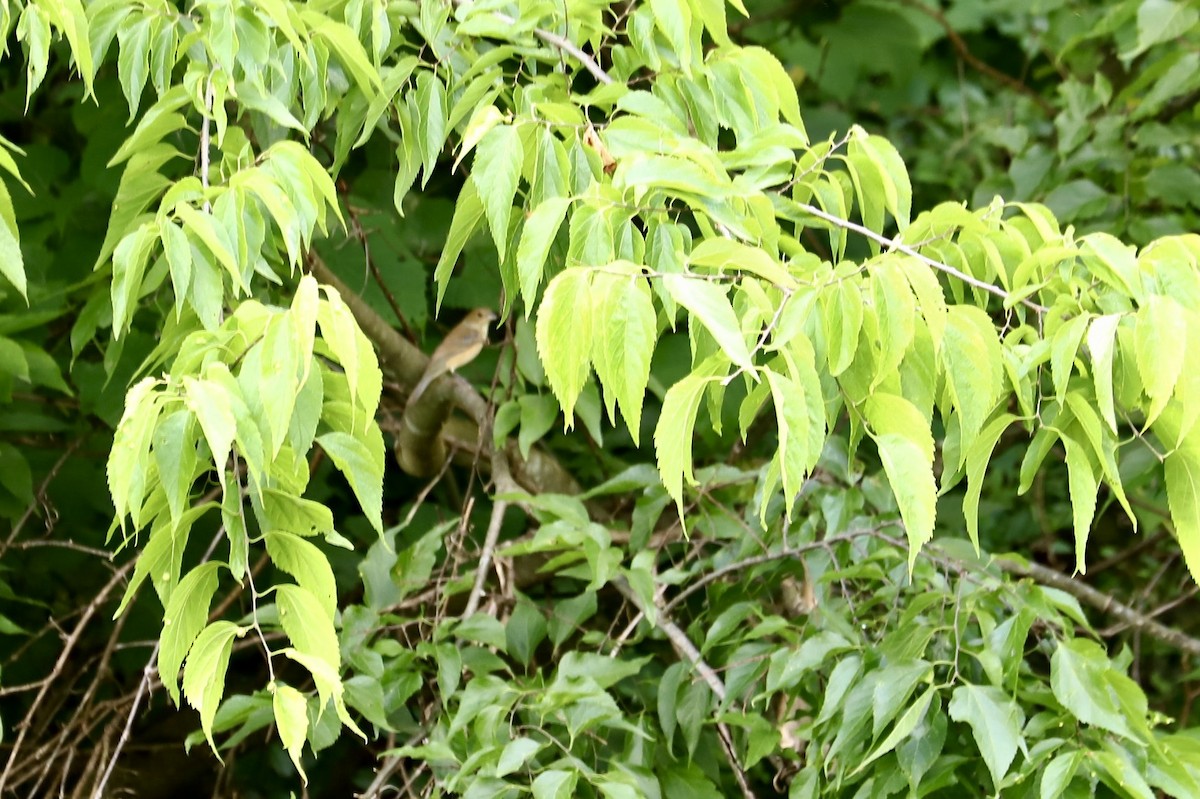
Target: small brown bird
(459, 348)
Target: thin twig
(757, 560)
(925, 259)
(975, 62)
(501, 477)
(64, 656)
(39, 496)
(143, 688)
(567, 46)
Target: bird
(459, 348)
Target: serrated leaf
(1101, 337)
(792, 422)
(482, 121)
(363, 470)
(291, 718)
(1160, 343)
(495, 173)
(977, 458)
(1183, 496)
(1058, 774)
(674, 19)
(564, 336)
(721, 253)
(537, 236)
(306, 624)
(624, 346)
(842, 314)
(905, 446)
(212, 407)
(349, 50)
(674, 432)
(183, 620)
(896, 310)
(12, 266)
(708, 302)
(995, 721)
(353, 351)
(305, 562)
(204, 680)
(1082, 483)
(972, 359)
(1078, 672)
(1063, 349)
(468, 210)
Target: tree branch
(567, 46)
(893, 244)
(1101, 602)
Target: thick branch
(1102, 602)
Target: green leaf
(304, 561)
(348, 49)
(291, 717)
(174, 443)
(353, 350)
(183, 619)
(977, 458)
(1083, 483)
(897, 311)
(537, 236)
(905, 446)
(792, 422)
(903, 728)
(127, 460)
(995, 722)
(468, 210)
(1161, 21)
(972, 360)
(482, 121)
(516, 754)
(204, 680)
(842, 313)
(1100, 340)
(1058, 774)
(11, 264)
(429, 108)
(1079, 672)
(721, 253)
(1063, 348)
(203, 225)
(624, 346)
(708, 302)
(210, 403)
(1183, 496)
(674, 19)
(362, 468)
(674, 433)
(495, 173)
(555, 784)
(564, 335)
(876, 156)
(1160, 341)
(307, 625)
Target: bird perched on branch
(459, 348)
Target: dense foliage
(674, 534)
